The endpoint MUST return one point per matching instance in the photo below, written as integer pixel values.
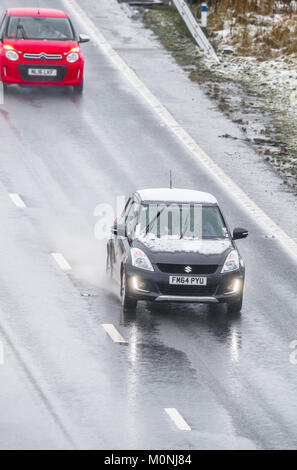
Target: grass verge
(259, 96)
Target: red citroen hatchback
(40, 47)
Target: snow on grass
(255, 84)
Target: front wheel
(128, 302)
(236, 306)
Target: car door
(122, 241)
(118, 241)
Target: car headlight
(73, 57)
(231, 263)
(140, 260)
(12, 55)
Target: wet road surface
(64, 382)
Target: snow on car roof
(47, 12)
(176, 195)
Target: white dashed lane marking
(17, 200)
(177, 418)
(61, 261)
(113, 333)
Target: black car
(174, 245)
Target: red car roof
(48, 12)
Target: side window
(122, 218)
(2, 25)
(128, 211)
(131, 218)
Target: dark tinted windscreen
(27, 27)
(188, 221)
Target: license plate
(188, 281)
(42, 72)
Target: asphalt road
(64, 382)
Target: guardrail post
(195, 29)
(204, 15)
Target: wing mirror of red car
(240, 233)
(83, 38)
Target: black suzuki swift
(173, 245)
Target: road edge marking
(1, 353)
(200, 155)
(113, 333)
(177, 418)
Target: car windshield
(39, 27)
(181, 221)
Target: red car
(40, 47)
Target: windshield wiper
(149, 225)
(185, 226)
(21, 28)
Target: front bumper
(17, 73)
(154, 286)
(187, 299)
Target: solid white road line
(1, 354)
(177, 419)
(61, 261)
(1, 94)
(113, 333)
(226, 182)
(17, 200)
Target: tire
(235, 307)
(128, 303)
(78, 89)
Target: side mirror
(118, 230)
(239, 233)
(83, 38)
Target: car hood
(185, 251)
(41, 46)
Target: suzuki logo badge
(188, 269)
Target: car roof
(48, 12)
(176, 195)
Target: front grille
(180, 268)
(61, 73)
(42, 56)
(187, 290)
